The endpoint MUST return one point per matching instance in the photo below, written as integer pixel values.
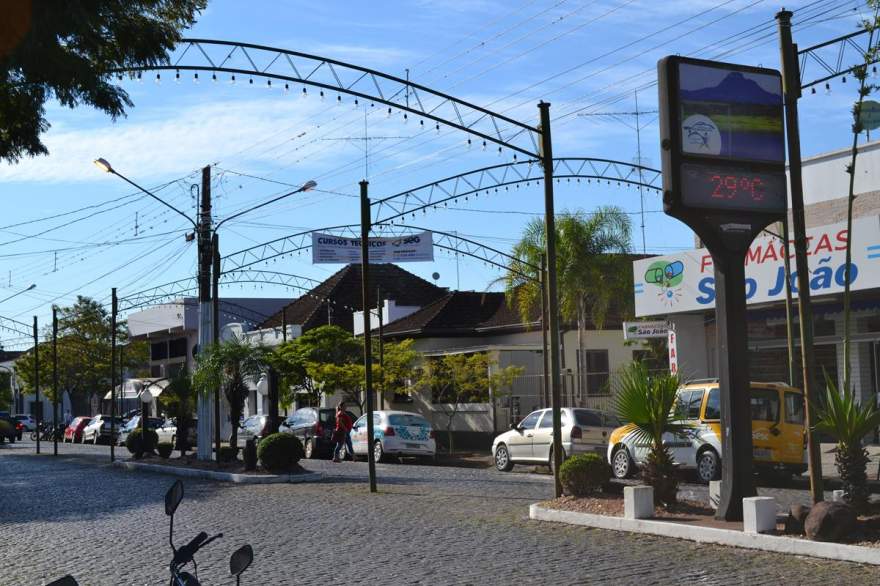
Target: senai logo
(668, 277)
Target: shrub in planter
(227, 454)
(584, 474)
(164, 449)
(138, 445)
(279, 452)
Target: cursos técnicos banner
(333, 249)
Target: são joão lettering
(823, 277)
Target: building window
(156, 370)
(159, 350)
(177, 348)
(597, 372)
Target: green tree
(65, 50)
(179, 401)
(83, 354)
(454, 379)
(647, 402)
(848, 422)
(5, 391)
(865, 89)
(229, 366)
(301, 362)
(593, 269)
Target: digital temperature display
(732, 188)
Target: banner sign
(673, 353)
(638, 330)
(685, 281)
(333, 249)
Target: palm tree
(647, 404)
(593, 271)
(229, 366)
(848, 421)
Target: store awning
(133, 387)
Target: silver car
(531, 440)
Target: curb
(773, 543)
(222, 476)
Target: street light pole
(31, 288)
(368, 353)
(550, 236)
(55, 381)
(39, 406)
(215, 331)
(203, 237)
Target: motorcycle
(239, 561)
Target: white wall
(825, 177)
(390, 312)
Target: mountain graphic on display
(734, 88)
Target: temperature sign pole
(723, 152)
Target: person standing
(342, 432)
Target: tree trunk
(449, 420)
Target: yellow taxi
(778, 432)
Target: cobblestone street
(427, 525)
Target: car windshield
(408, 420)
(21, 417)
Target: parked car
(255, 427)
(7, 429)
(99, 428)
(74, 430)
(395, 433)
(314, 428)
(134, 423)
(531, 440)
(167, 432)
(778, 433)
(28, 422)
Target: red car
(73, 433)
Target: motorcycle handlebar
(185, 554)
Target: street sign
(870, 115)
(722, 140)
(640, 330)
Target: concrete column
(759, 514)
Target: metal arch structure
(180, 287)
(23, 329)
(831, 58)
(422, 101)
(296, 243)
(491, 179)
(235, 58)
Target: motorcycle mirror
(173, 498)
(240, 560)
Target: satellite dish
(435, 276)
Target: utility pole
(38, 405)
(368, 351)
(544, 345)
(55, 383)
(550, 236)
(792, 91)
(113, 311)
(203, 237)
(215, 331)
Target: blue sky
(583, 56)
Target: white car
(27, 421)
(134, 423)
(99, 428)
(395, 433)
(531, 440)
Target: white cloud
(167, 141)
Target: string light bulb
(158, 78)
(232, 80)
(195, 78)
(305, 93)
(177, 76)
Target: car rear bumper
(403, 448)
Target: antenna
(621, 117)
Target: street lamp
(307, 186)
(31, 288)
(106, 167)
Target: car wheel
(708, 466)
(309, 449)
(378, 451)
(503, 463)
(621, 463)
